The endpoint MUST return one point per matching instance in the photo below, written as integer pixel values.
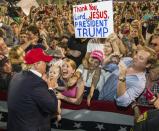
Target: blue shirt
(135, 85)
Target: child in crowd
(93, 81)
(54, 74)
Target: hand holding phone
(149, 95)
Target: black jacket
(30, 104)
(4, 81)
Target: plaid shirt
(154, 89)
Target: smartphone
(149, 95)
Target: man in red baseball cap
(31, 100)
(37, 58)
(36, 55)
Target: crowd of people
(123, 67)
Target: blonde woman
(71, 94)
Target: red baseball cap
(36, 55)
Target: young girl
(54, 74)
(93, 81)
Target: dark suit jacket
(30, 103)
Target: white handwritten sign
(27, 4)
(93, 20)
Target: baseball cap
(36, 55)
(97, 54)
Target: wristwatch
(121, 78)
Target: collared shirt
(135, 84)
(40, 75)
(36, 72)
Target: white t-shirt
(88, 78)
(93, 44)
